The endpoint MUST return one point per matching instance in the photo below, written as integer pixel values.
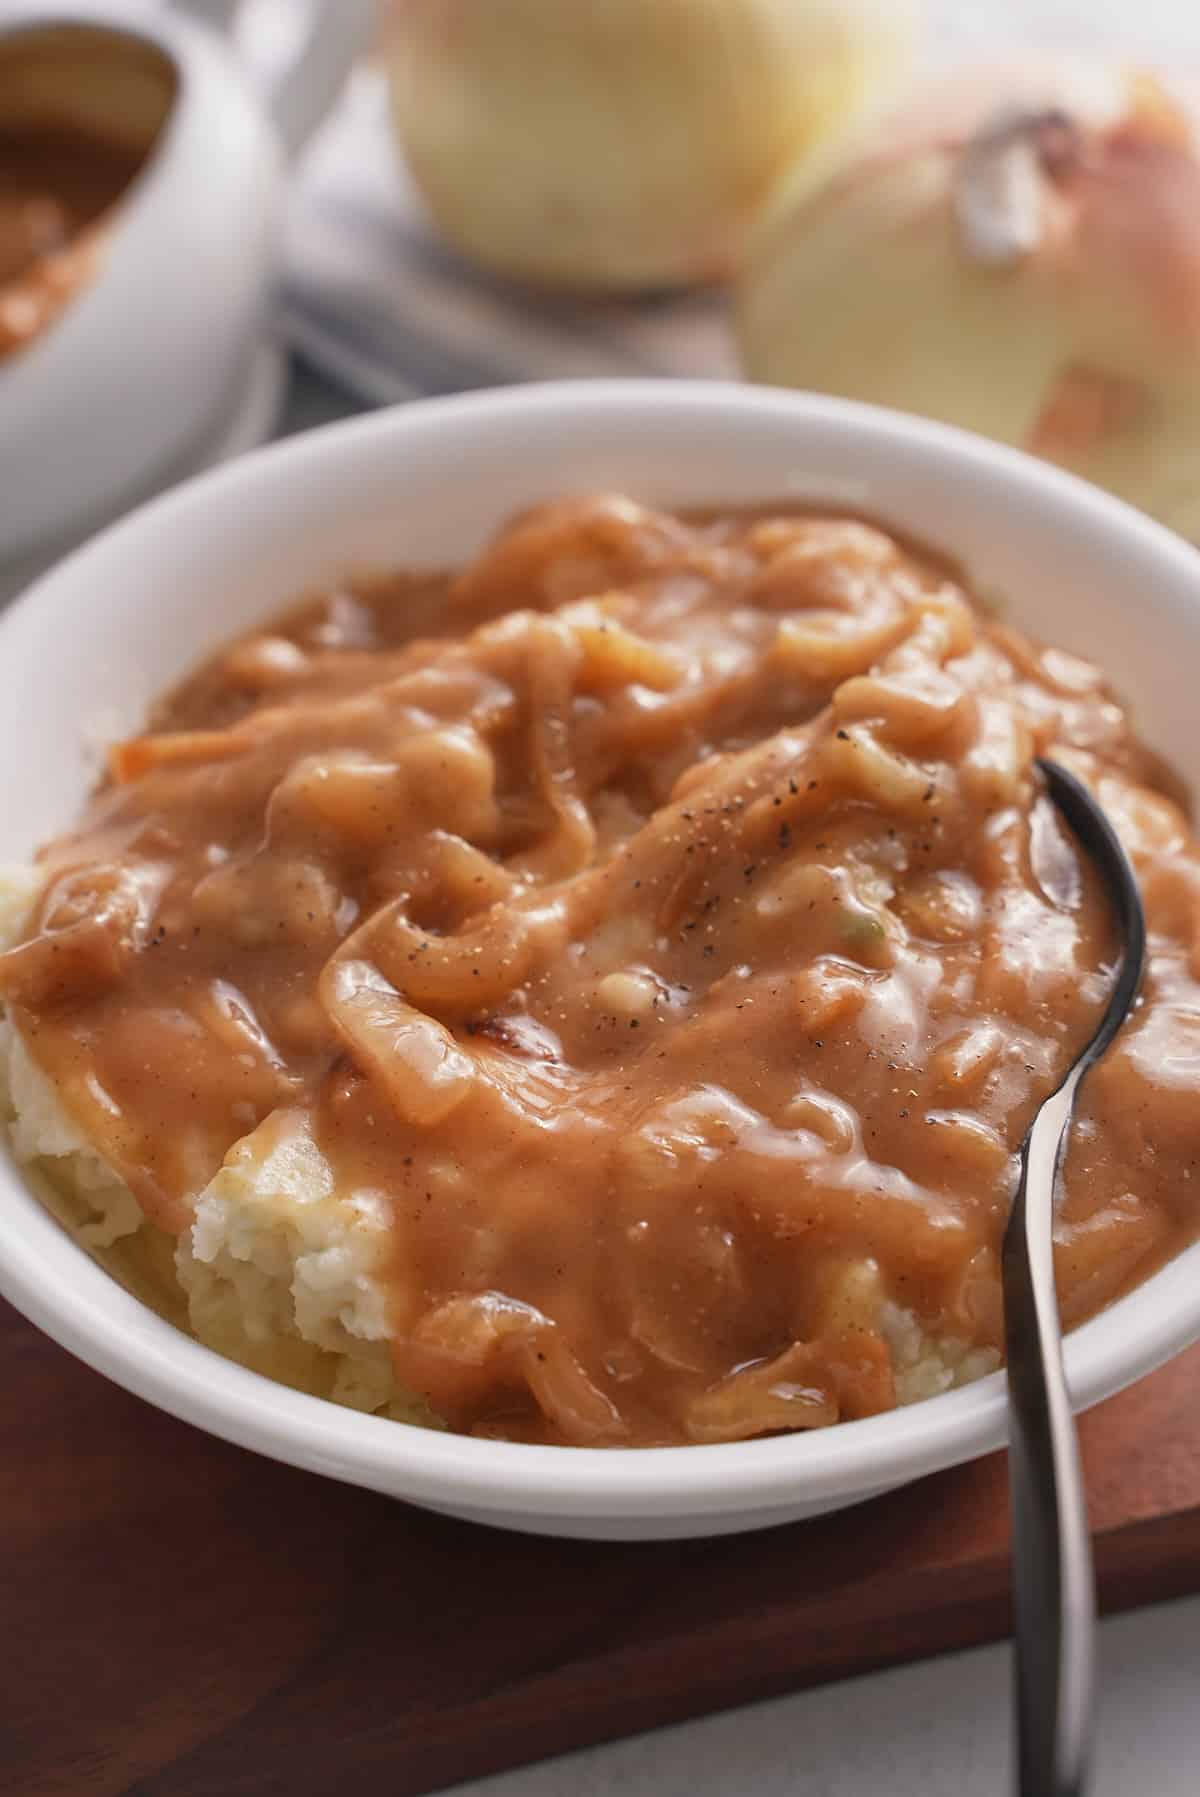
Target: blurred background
(985, 212)
(778, 189)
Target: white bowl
(145, 362)
(426, 483)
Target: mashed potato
(277, 1270)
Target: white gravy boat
(152, 347)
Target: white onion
(1018, 253)
(626, 144)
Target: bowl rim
(47, 1276)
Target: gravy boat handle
(300, 81)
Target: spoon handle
(1053, 1590)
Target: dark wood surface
(182, 1619)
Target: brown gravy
(661, 920)
(56, 186)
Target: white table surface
(940, 1728)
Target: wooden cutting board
(182, 1619)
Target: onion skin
(626, 145)
(1084, 348)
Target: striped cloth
(374, 301)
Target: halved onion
(1018, 253)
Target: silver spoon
(1054, 1604)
